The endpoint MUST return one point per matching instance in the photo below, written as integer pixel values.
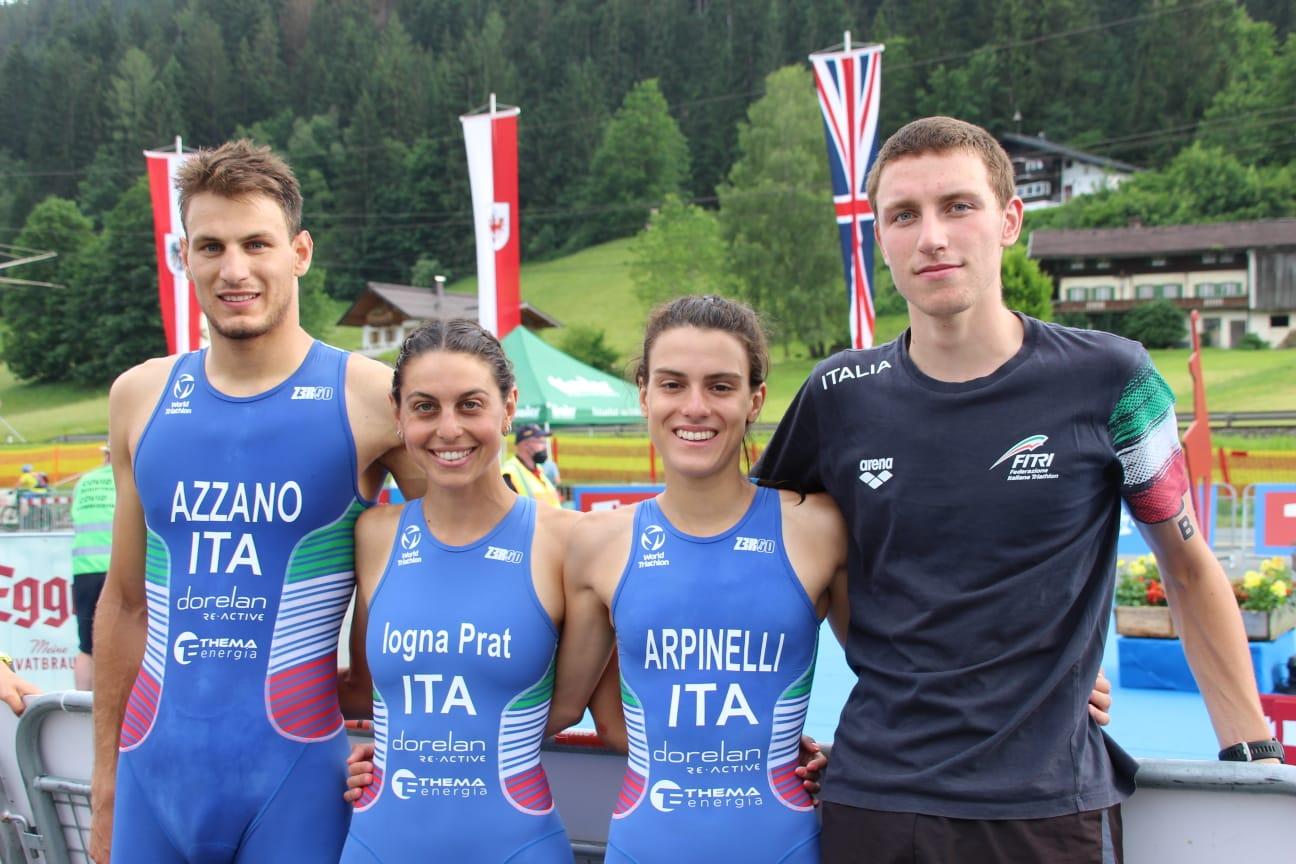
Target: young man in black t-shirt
(980, 460)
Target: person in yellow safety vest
(523, 473)
(28, 480)
(93, 500)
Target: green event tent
(559, 390)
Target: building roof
(1029, 143)
(424, 304)
(1139, 241)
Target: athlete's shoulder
(143, 378)
(556, 521)
(1079, 350)
(814, 515)
(382, 517)
(367, 377)
(599, 529)
(133, 396)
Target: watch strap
(1250, 751)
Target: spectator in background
(523, 472)
(92, 515)
(28, 480)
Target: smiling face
(243, 263)
(942, 232)
(452, 417)
(698, 400)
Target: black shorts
(853, 835)
(85, 596)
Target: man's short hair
(240, 169)
(941, 135)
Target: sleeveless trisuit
(462, 657)
(717, 642)
(231, 747)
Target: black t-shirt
(983, 519)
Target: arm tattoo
(1185, 526)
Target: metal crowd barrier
(1184, 812)
(55, 749)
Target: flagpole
(846, 41)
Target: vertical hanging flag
(849, 84)
(181, 317)
(491, 140)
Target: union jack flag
(849, 84)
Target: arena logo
(875, 472)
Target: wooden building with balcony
(1240, 275)
(387, 313)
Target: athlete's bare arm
(373, 425)
(815, 535)
(597, 552)
(375, 531)
(552, 535)
(1206, 617)
(121, 618)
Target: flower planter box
(1268, 626)
(1152, 622)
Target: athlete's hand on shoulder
(810, 764)
(13, 688)
(1100, 700)
(359, 771)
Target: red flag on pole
(849, 83)
(491, 141)
(181, 317)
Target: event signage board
(1275, 518)
(610, 497)
(37, 626)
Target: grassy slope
(593, 287)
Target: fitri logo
(183, 387)
(653, 538)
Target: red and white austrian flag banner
(491, 141)
(181, 317)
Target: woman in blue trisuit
(461, 592)
(716, 589)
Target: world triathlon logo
(411, 538)
(184, 386)
(652, 539)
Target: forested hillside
(363, 98)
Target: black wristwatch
(1250, 751)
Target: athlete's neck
(966, 346)
(460, 515)
(705, 506)
(246, 367)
